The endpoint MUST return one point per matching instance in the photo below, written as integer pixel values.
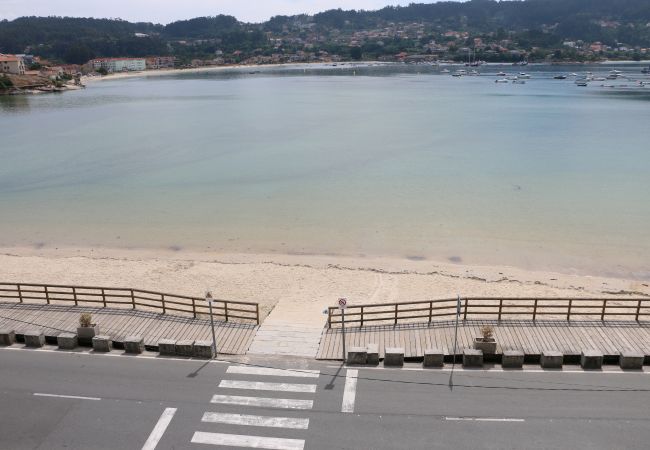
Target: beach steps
(288, 330)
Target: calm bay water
(395, 161)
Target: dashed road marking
(287, 403)
(263, 386)
(350, 390)
(159, 429)
(267, 371)
(75, 397)
(484, 419)
(256, 421)
(240, 440)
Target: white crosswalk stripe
(256, 421)
(264, 386)
(287, 403)
(267, 371)
(237, 419)
(240, 440)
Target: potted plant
(486, 342)
(86, 330)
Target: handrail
(528, 307)
(115, 296)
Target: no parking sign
(343, 303)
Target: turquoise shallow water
(392, 161)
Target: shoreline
(163, 72)
(304, 283)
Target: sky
(165, 11)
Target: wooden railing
(225, 310)
(490, 307)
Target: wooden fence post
(162, 297)
(500, 308)
(568, 313)
(396, 306)
(535, 310)
(47, 295)
(104, 297)
(638, 309)
(74, 295)
(465, 312)
(226, 310)
(132, 299)
(430, 311)
(602, 314)
(361, 316)
(194, 307)
(257, 313)
(329, 317)
(20, 293)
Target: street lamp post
(208, 298)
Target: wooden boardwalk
(610, 337)
(232, 338)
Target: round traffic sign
(343, 303)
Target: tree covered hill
(529, 23)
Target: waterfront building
(160, 62)
(12, 64)
(119, 64)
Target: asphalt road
(55, 400)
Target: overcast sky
(165, 11)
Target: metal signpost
(343, 303)
(453, 364)
(208, 298)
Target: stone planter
(85, 335)
(488, 346)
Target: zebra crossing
(288, 394)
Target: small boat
(612, 76)
(513, 78)
(524, 76)
(581, 83)
(573, 74)
(474, 73)
(503, 80)
(501, 74)
(646, 70)
(559, 77)
(456, 74)
(599, 79)
(518, 82)
(444, 71)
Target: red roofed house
(12, 64)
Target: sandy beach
(301, 284)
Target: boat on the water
(501, 74)
(524, 76)
(559, 77)
(501, 80)
(581, 83)
(646, 70)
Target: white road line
(262, 386)
(268, 371)
(159, 429)
(76, 397)
(613, 370)
(350, 391)
(239, 440)
(256, 421)
(287, 403)
(485, 419)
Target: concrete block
(34, 339)
(185, 348)
(394, 356)
(134, 345)
(203, 349)
(102, 343)
(434, 357)
(167, 347)
(472, 357)
(67, 341)
(591, 359)
(631, 360)
(373, 354)
(357, 355)
(512, 359)
(551, 359)
(7, 337)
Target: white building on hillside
(12, 64)
(119, 64)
